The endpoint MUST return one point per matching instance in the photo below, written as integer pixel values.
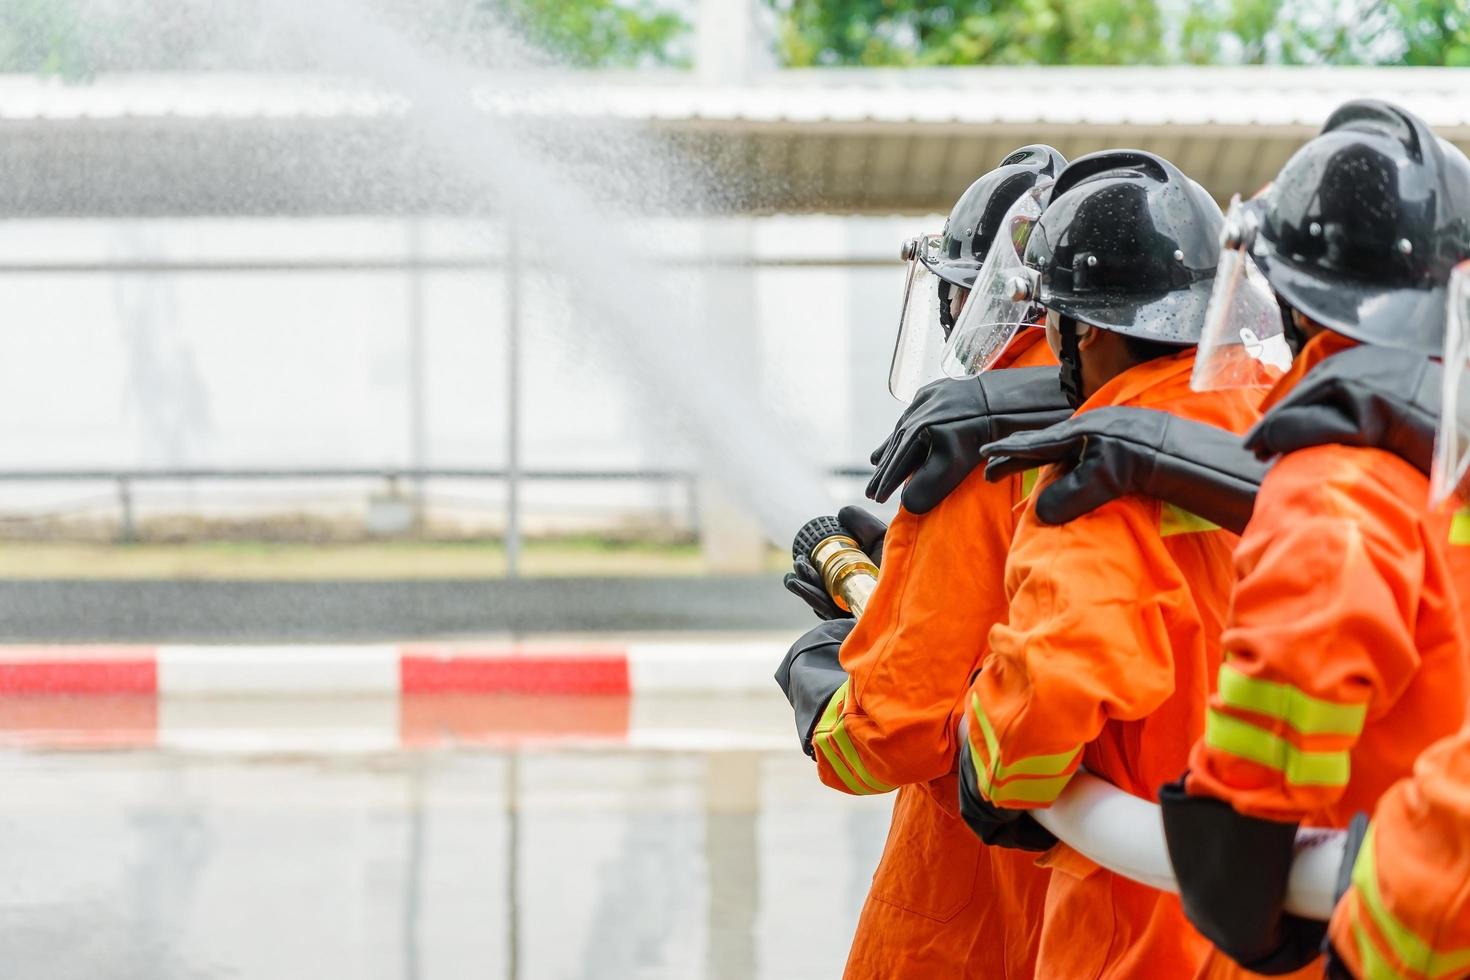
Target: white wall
(287, 368)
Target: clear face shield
(1243, 344)
(1004, 297)
(1450, 476)
(920, 334)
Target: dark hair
(1142, 349)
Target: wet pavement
(572, 861)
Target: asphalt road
(263, 612)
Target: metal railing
(413, 263)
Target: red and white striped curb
(697, 694)
(417, 668)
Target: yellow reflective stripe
(837, 748)
(1460, 526)
(821, 738)
(1177, 520)
(1033, 765)
(992, 744)
(1029, 790)
(850, 754)
(1039, 765)
(1374, 966)
(1413, 951)
(1028, 481)
(853, 784)
(1308, 715)
(1299, 766)
(833, 711)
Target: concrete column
(731, 539)
(725, 41)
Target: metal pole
(513, 402)
(125, 499)
(513, 864)
(417, 410)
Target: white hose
(1126, 835)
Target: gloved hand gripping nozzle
(847, 572)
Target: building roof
(842, 140)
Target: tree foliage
(1121, 32)
(79, 38)
(597, 33)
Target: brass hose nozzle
(848, 574)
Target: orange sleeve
(1407, 913)
(911, 655)
(1320, 636)
(1086, 641)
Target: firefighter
(1110, 638)
(1345, 648)
(1346, 652)
(1407, 910)
(876, 700)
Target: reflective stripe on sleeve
(1028, 481)
(1460, 527)
(1229, 734)
(1306, 714)
(1176, 520)
(1408, 947)
(1030, 779)
(832, 740)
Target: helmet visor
(1243, 344)
(916, 353)
(1004, 297)
(1450, 475)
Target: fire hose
(1115, 829)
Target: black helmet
(976, 216)
(1361, 228)
(939, 265)
(1128, 243)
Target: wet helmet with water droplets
(1361, 228)
(976, 216)
(1127, 243)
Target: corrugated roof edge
(1283, 97)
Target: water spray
(1115, 829)
(848, 574)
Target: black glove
(810, 674)
(938, 437)
(1367, 396)
(995, 825)
(805, 582)
(1112, 452)
(1233, 871)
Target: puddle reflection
(593, 863)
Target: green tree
(597, 33)
(1122, 32)
(43, 36)
(981, 32)
(1434, 32)
(79, 38)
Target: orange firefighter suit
(1345, 653)
(942, 903)
(1407, 913)
(1105, 660)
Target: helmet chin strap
(1071, 361)
(1295, 339)
(946, 318)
